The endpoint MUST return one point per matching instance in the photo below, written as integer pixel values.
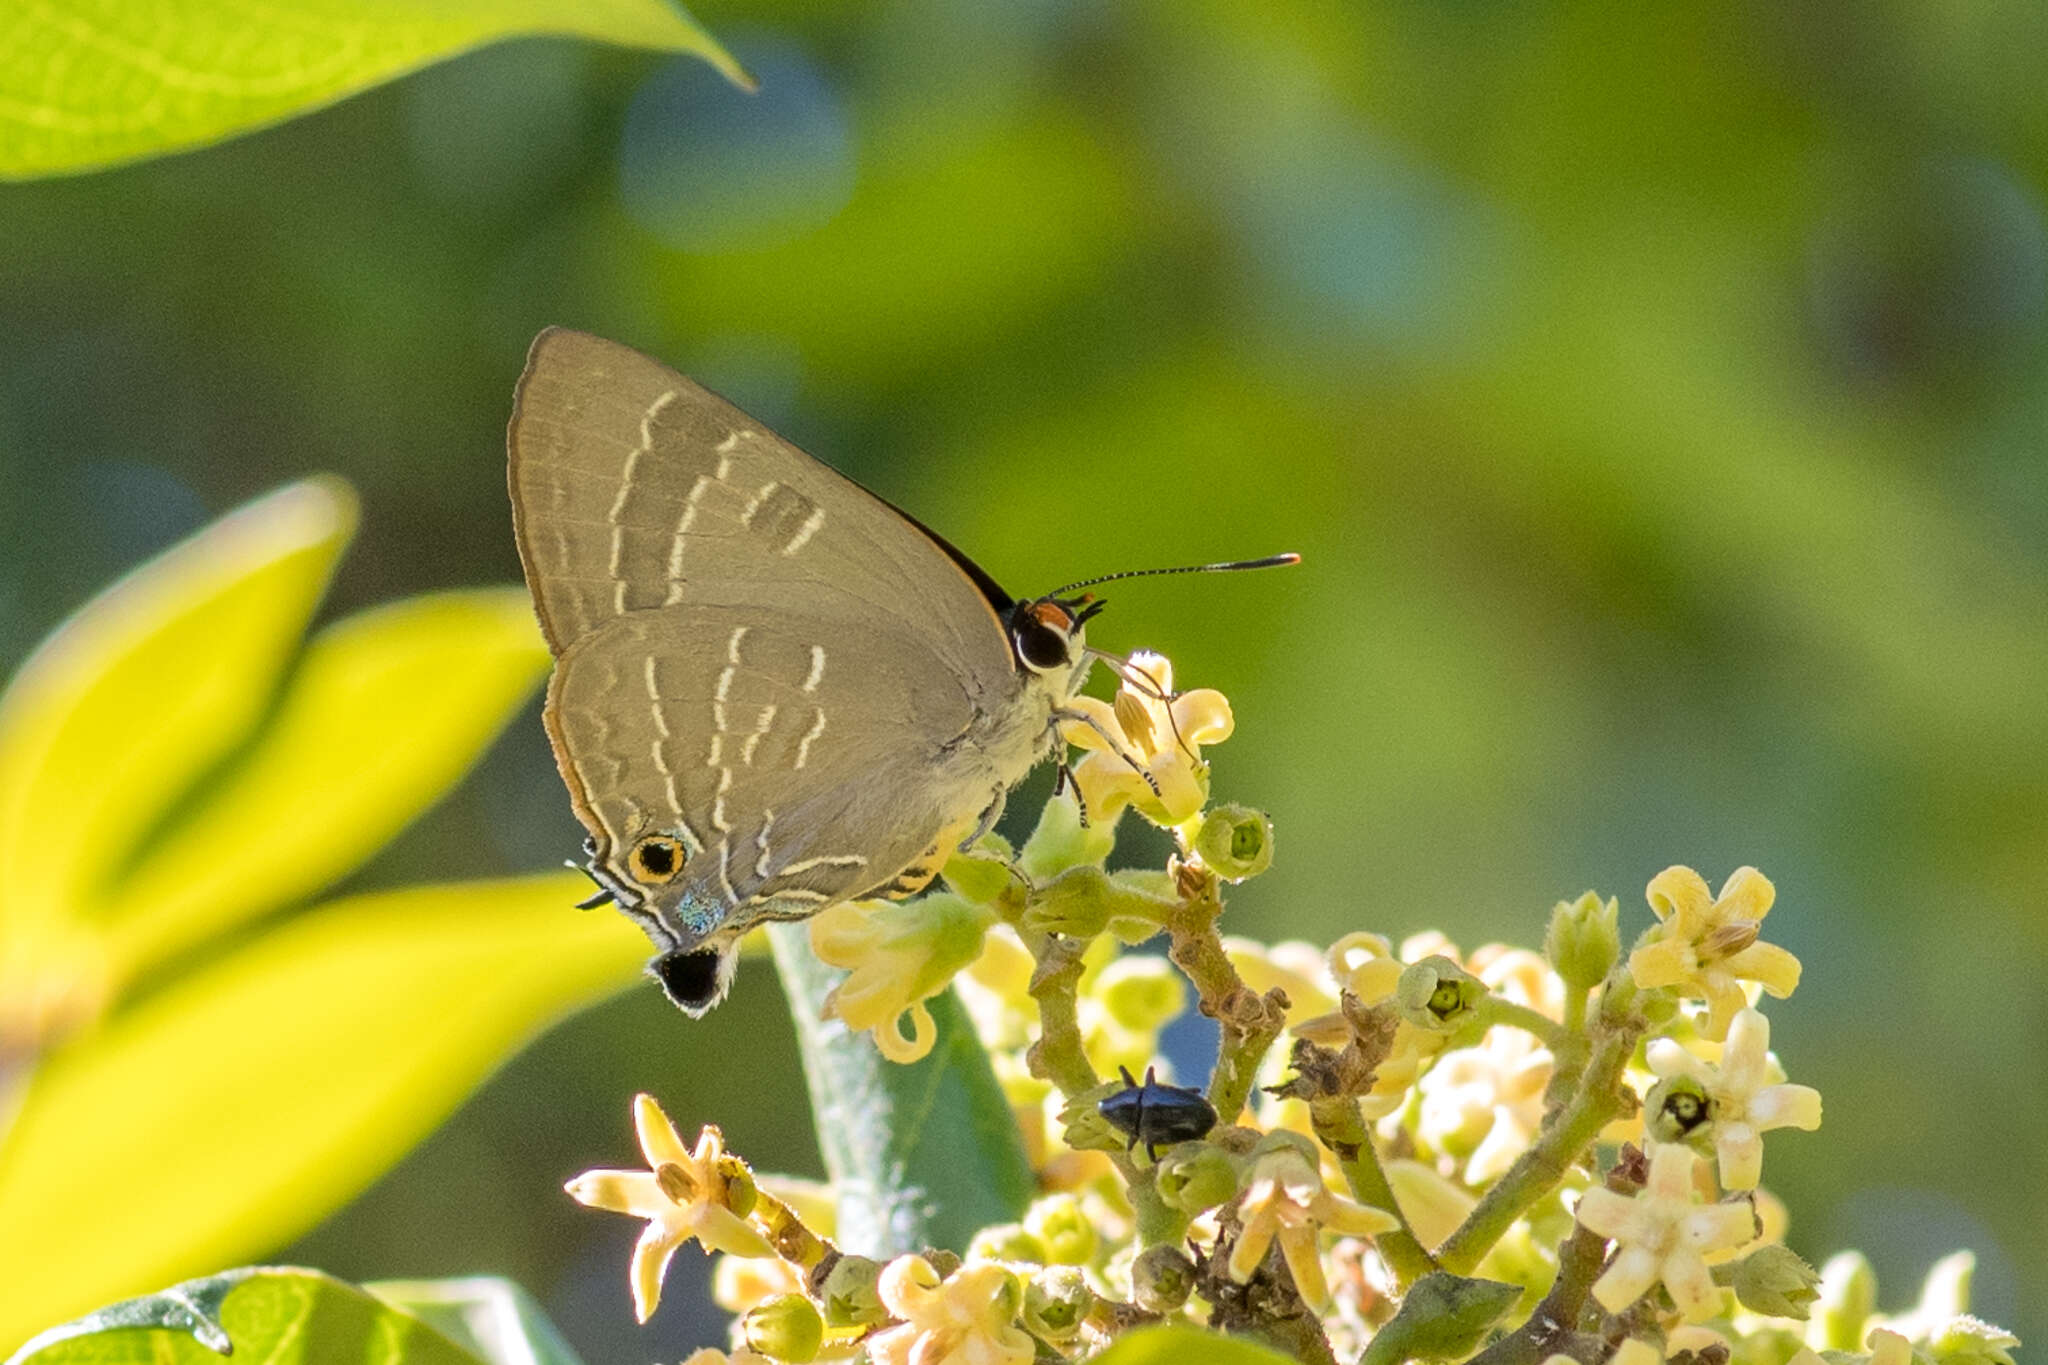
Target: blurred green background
(1659, 405)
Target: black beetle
(1156, 1114)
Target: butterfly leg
(1115, 746)
(1063, 780)
(987, 823)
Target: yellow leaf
(387, 712)
(244, 1102)
(145, 687)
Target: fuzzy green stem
(1058, 1055)
(1601, 1096)
(1548, 1031)
(1341, 1127)
(1249, 1022)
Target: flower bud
(849, 1295)
(1061, 841)
(982, 874)
(1062, 1225)
(1965, 1340)
(1007, 1242)
(1774, 1281)
(1196, 1178)
(1236, 842)
(1437, 994)
(1056, 1301)
(787, 1327)
(1584, 939)
(1446, 1317)
(1162, 1278)
(1075, 904)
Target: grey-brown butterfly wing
(634, 488)
(709, 736)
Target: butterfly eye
(656, 859)
(1043, 633)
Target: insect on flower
(1157, 1114)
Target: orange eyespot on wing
(655, 860)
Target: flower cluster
(1401, 1151)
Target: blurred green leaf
(148, 685)
(493, 1319)
(1176, 1345)
(240, 1104)
(924, 1154)
(386, 712)
(87, 85)
(276, 1315)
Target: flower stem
(1601, 1096)
(1340, 1125)
(1250, 1022)
(1498, 1011)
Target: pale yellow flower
(682, 1195)
(1707, 945)
(1365, 966)
(970, 1317)
(1285, 1201)
(711, 1355)
(1162, 733)
(898, 956)
(1664, 1232)
(1741, 1103)
(1296, 967)
(1122, 1007)
(1485, 1103)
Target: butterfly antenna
(1269, 562)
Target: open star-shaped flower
(897, 956)
(1663, 1232)
(969, 1317)
(1285, 1201)
(1145, 747)
(1707, 945)
(1742, 1104)
(683, 1194)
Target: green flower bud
(1008, 1242)
(1059, 1221)
(1765, 1346)
(1678, 1109)
(1061, 842)
(1196, 1177)
(787, 1327)
(1584, 939)
(1443, 1317)
(1162, 1278)
(1848, 1296)
(1774, 1281)
(1286, 1137)
(1437, 994)
(1074, 904)
(1236, 842)
(983, 874)
(1055, 1303)
(848, 1292)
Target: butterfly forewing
(634, 488)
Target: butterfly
(773, 691)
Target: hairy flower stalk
(1442, 1164)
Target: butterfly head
(698, 951)
(1048, 633)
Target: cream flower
(711, 1355)
(1664, 1233)
(682, 1195)
(1485, 1103)
(898, 956)
(1741, 1104)
(1162, 733)
(1707, 945)
(970, 1317)
(1285, 1200)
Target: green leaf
(275, 1315)
(147, 686)
(387, 711)
(491, 1318)
(1177, 1345)
(244, 1101)
(90, 83)
(924, 1154)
